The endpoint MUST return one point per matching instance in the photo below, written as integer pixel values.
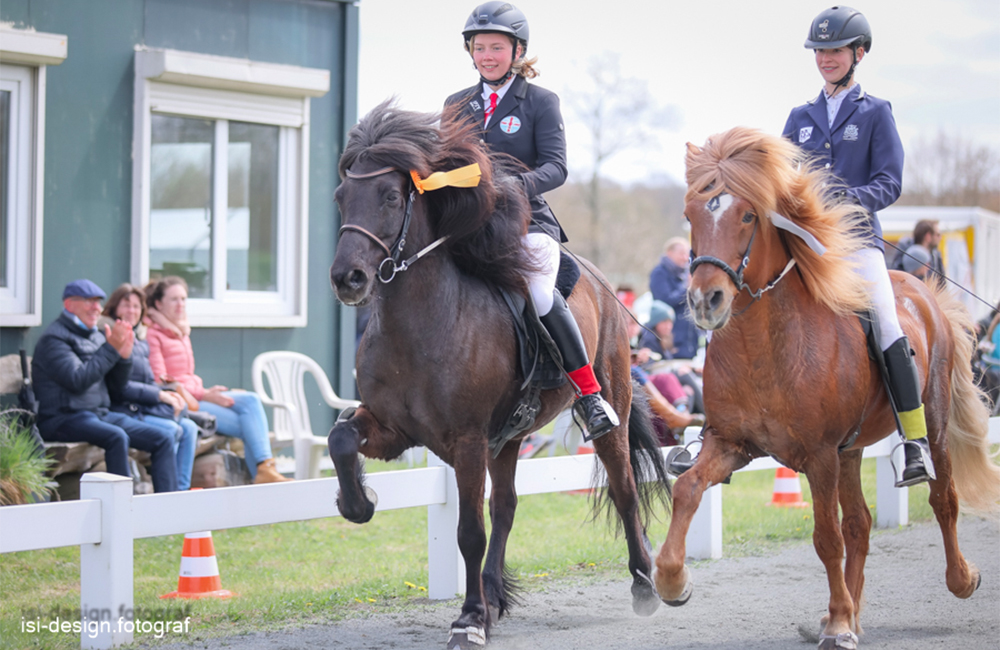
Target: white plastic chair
(285, 372)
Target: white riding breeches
(871, 266)
(544, 252)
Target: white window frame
(24, 55)
(187, 84)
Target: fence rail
(107, 519)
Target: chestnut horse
(787, 373)
(437, 363)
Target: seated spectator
(917, 261)
(656, 344)
(668, 282)
(144, 399)
(74, 367)
(990, 347)
(238, 413)
(926, 233)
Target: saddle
(539, 359)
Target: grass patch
(329, 569)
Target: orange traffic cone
(199, 577)
(787, 490)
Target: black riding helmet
(498, 17)
(838, 27)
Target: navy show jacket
(527, 125)
(862, 148)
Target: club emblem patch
(805, 133)
(823, 25)
(851, 132)
(510, 124)
(475, 105)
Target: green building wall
(88, 154)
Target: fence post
(704, 536)
(892, 504)
(106, 567)
(445, 566)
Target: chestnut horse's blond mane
(773, 174)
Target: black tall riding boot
(904, 384)
(596, 413)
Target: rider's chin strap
(467, 176)
(788, 225)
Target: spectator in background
(917, 261)
(926, 233)
(144, 399)
(74, 367)
(238, 413)
(655, 345)
(668, 283)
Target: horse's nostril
(715, 299)
(357, 279)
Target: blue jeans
(115, 433)
(245, 420)
(185, 437)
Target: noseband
(391, 265)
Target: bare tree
(951, 170)
(618, 113)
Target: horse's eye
(749, 217)
(392, 197)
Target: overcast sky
(718, 64)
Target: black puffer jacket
(72, 369)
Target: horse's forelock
(390, 137)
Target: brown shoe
(268, 473)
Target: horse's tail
(976, 475)
(648, 467)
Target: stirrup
(598, 416)
(917, 475)
(680, 460)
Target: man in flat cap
(73, 368)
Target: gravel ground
(739, 603)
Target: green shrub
(22, 469)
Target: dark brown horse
(436, 366)
(787, 373)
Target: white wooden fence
(108, 518)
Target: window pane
(180, 215)
(252, 226)
(4, 171)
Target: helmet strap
(510, 71)
(850, 73)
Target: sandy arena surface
(749, 603)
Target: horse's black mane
(484, 224)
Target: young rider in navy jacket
(524, 121)
(854, 136)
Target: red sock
(585, 380)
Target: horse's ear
(693, 150)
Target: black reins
(391, 265)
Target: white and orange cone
(199, 576)
(787, 490)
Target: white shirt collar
(833, 103)
(487, 91)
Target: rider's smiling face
(492, 55)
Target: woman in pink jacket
(239, 413)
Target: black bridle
(391, 265)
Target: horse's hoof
(842, 641)
(684, 597)
(644, 599)
(371, 496)
(466, 638)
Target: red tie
(493, 107)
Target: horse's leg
(822, 471)
(855, 526)
(961, 577)
(472, 627)
(717, 460)
(351, 434)
(497, 584)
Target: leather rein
(393, 262)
